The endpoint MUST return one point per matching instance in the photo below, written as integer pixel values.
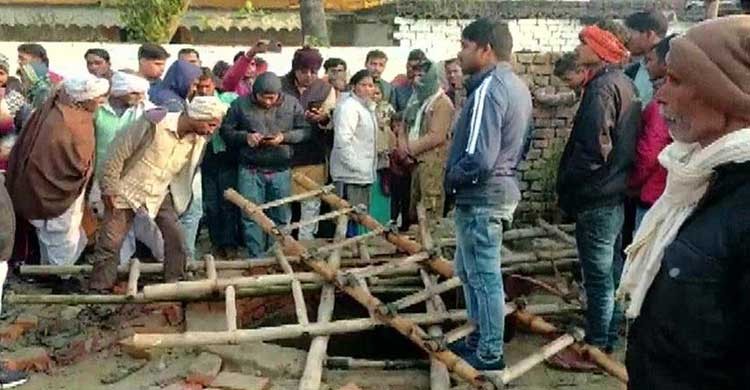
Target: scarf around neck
(689, 171)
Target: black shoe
(482, 365)
(11, 379)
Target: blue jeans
(261, 186)
(191, 218)
(640, 212)
(598, 240)
(479, 233)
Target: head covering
(85, 88)
(425, 88)
(206, 108)
(307, 58)
(4, 64)
(36, 82)
(604, 44)
(267, 82)
(172, 92)
(714, 56)
(124, 83)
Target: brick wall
(543, 35)
(552, 125)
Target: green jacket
(107, 125)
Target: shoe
(462, 348)
(481, 365)
(10, 379)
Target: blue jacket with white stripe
(489, 138)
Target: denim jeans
(222, 217)
(598, 240)
(479, 233)
(259, 187)
(191, 218)
(640, 212)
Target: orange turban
(604, 44)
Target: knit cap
(714, 56)
(267, 82)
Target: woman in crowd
(353, 158)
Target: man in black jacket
(593, 173)
(687, 275)
(261, 128)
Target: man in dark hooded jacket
(261, 128)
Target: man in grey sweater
(488, 143)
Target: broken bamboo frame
(374, 270)
(437, 263)
(398, 322)
(135, 273)
(427, 293)
(517, 234)
(556, 231)
(347, 363)
(459, 333)
(300, 307)
(349, 241)
(313, 372)
(211, 273)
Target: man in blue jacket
(481, 174)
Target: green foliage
(548, 170)
(151, 20)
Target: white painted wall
(66, 58)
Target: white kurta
(62, 239)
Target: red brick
(120, 288)
(204, 369)
(81, 347)
(11, 333)
(28, 359)
(174, 314)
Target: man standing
(241, 75)
(260, 128)
(488, 139)
(647, 28)
(401, 94)
(51, 164)
(455, 77)
(375, 62)
(152, 60)
(318, 99)
(98, 63)
(150, 170)
(592, 178)
(687, 273)
(34, 52)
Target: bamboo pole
(347, 363)
(374, 270)
(333, 214)
(540, 267)
(526, 364)
(404, 326)
(313, 373)
(539, 325)
(300, 307)
(135, 273)
(437, 263)
(211, 273)
(299, 197)
(231, 309)
(349, 241)
(517, 234)
(537, 256)
(427, 293)
(459, 333)
(191, 339)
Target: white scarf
(689, 168)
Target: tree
(313, 18)
(152, 20)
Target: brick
(540, 143)
(11, 333)
(532, 176)
(541, 69)
(541, 81)
(27, 321)
(233, 381)
(173, 314)
(543, 133)
(204, 369)
(183, 386)
(524, 166)
(562, 133)
(542, 122)
(525, 58)
(81, 347)
(28, 359)
(534, 154)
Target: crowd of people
(657, 158)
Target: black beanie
(267, 82)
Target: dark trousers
(222, 217)
(117, 223)
(401, 199)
